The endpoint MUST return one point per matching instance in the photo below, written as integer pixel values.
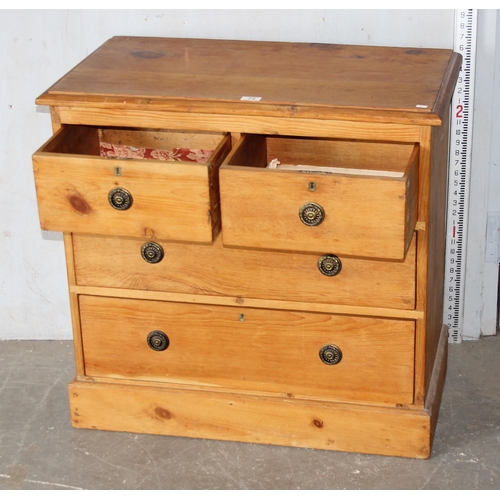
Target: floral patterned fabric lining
(176, 154)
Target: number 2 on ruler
(459, 171)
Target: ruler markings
(459, 172)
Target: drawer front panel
(250, 349)
(369, 215)
(217, 270)
(81, 191)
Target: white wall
(38, 47)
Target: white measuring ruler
(459, 173)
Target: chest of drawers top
(275, 79)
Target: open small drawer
(354, 198)
(131, 182)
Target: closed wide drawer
(217, 270)
(343, 358)
(130, 182)
(357, 198)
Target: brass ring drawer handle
(329, 264)
(330, 354)
(311, 214)
(158, 341)
(120, 199)
(152, 252)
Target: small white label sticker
(424, 106)
(250, 98)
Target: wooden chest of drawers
(254, 236)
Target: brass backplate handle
(330, 354)
(157, 340)
(311, 214)
(152, 252)
(329, 264)
(120, 199)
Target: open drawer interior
(331, 156)
(126, 143)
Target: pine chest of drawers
(254, 238)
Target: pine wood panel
(437, 378)
(171, 200)
(218, 270)
(75, 311)
(423, 276)
(350, 154)
(437, 244)
(251, 419)
(337, 125)
(250, 349)
(311, 79)
(224, 300)
(366, 216)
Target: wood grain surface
(171, 200)
(250, 349)
(364, 216)
(302, 78)
(222, 271)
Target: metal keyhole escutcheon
(330, 354)
(311, 214)
(152, 252)
(120, 199)
(158, 341)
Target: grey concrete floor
(40, 450)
